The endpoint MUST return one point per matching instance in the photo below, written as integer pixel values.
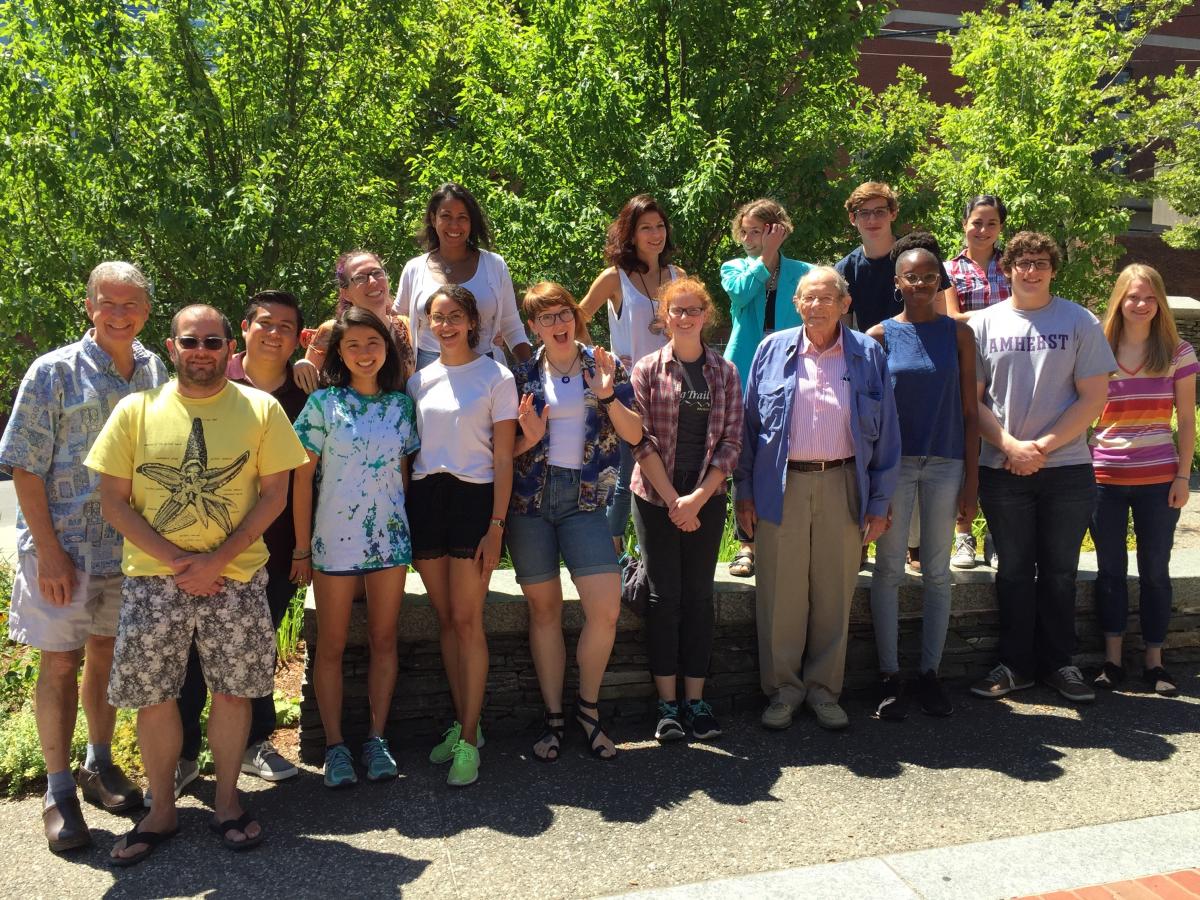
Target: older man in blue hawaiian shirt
(67, 588)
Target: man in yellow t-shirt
(191, 473)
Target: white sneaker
(263, 760)
(186, 771)
(964, 551)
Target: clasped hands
(684, 511)
(1024, 457)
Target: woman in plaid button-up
(691, 405)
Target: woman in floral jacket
(576, 407)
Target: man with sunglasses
(67, 588)
(271, 327)
(1042, 373)
(192, 473)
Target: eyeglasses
(689, 312)
(924, 280)
(1028, 265)
(820, 301)
(191, 342)
(871, 212)
(363, 277)
(548, 320)
(456, 318)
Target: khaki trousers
(807, 570)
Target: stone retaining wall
(1187, 318)
(421, 707)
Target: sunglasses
(191, 342)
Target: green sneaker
(339, 767)
(465, 768)
(444, 751)
(377, 759)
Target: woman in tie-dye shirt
(1139, 468)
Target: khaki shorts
(34, 621)
(232, 630)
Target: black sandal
(133, 837)
(592, 729)
(238, 824)
(556, 727)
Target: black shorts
(446, 516)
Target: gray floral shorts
(232, 630)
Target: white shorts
(94, 609)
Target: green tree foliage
(229, 147)
(224, 147)
(1050, 121)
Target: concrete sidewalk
(657, 817)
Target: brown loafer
(109, 788)
(64, 825)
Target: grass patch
(291, 628)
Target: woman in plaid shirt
(691, 405)
(977, 282)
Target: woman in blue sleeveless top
(931, 358)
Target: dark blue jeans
(1154, 526)
(194, 692)
(1037, 522)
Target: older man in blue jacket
(820, 457)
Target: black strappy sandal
(556, 725)
(592, 729)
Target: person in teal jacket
(755, 281)
(760, 288)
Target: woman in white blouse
(456, 235)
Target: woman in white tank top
(638, 251)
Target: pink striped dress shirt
(820, 426)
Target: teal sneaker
(339, 767)
(377, 759)
(444, 751)
(464, 769)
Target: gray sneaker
(263, 760)
(186, 771)
(830, 716)
(1069, 682)
(1000, 681)
(778, 715)
(964, 551)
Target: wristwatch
(604, 401)
(499, 523)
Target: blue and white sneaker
(339, 767)
(377, 759)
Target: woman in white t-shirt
(456, 236)
(457, 504)
(638, 250)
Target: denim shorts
(536, 541)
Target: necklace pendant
(566, 379)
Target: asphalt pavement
(755, 802)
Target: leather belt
(817, 465)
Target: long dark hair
(335, 373)
(481, 234)
(619, 248)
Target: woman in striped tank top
(1139, 468)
